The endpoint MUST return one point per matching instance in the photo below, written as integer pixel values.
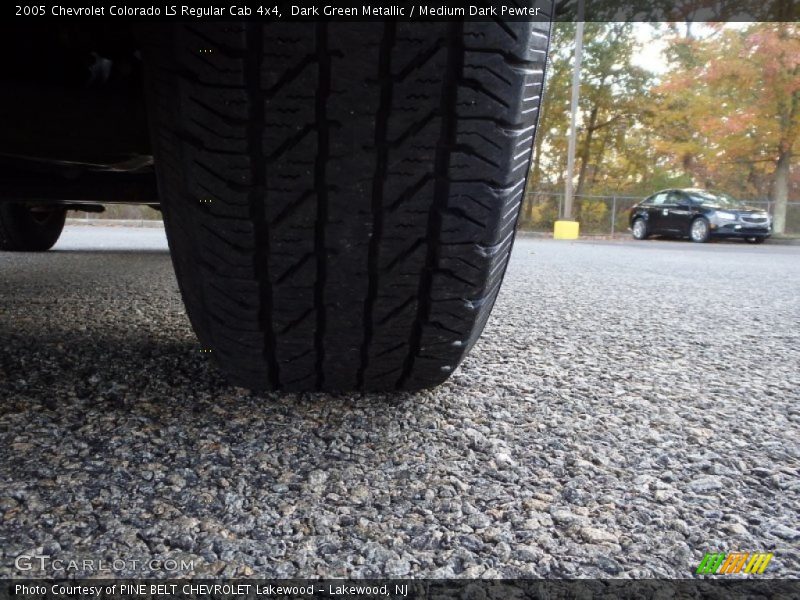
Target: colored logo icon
(720, 563)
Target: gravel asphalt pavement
(630, 407)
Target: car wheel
(700, 231)
(755, 240)
(341, 199)
(639, 229)
(29, 229)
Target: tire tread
(341, 199)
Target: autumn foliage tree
(728, 111)
(613, 99)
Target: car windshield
(714, 199)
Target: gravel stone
(317, 477)
(598, 536)
(736, 529)
(629, 407)
(706, 484)
(786, 533)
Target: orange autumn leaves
(728, 109)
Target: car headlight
(725, 216)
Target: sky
(651, 56)
(652, 47)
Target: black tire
(26, 229)
(341, 198)
(639, 229)
(695, 235)
(758, 239)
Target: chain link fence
(608, 215)
(598, 215)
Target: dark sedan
(699, 215)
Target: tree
(613, 101)
(728, 112)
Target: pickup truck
(340, 198)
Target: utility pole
(576, 88)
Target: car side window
(659, 199)
(673, 198)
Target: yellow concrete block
(566, 230)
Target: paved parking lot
(630, 407)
